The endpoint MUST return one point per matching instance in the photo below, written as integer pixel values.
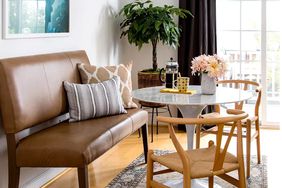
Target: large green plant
(145, 23)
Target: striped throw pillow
(92, 74)
(88, 101)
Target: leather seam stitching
(48, 84)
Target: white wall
(143, 59)
(93, 28)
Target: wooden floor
(105, 168)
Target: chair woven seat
(210, 115)
(201, 161)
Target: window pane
(273, 46)
(273, 92)
(251, 14)
(226, 11)
(251, 70)
(273, 41)
(273, 80)
(251, 41)
(273, 75)
(228, 40)
(273, 15)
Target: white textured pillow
(88, 101)
(93, 74)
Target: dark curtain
(198, 37)
(198, 34)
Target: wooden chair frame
(220, 154)
(252, 119)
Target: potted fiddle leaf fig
(145, 23)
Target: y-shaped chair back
(219, 163)
(244, 85)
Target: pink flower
(213, 65)
(199, 64)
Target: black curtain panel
(198, 34)
(198, 37)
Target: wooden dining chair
(205, 162)
(246, 123)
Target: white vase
(208, 84)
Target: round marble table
(192, 105)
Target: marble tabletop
(223, 95)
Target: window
(249, 37)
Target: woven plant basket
(148, 79)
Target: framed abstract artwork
(35, 18)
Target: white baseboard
(42, 178)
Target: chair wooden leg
(139, 132)
(152, 125)
(241, 170)
(211, 182)
(149, 169)
(145, 140)
(186, 180)
(14, 171)
(198, 136)
(83, 177)
(157, 114)
(242, 179)
(258, 141)
(14, 177)
(168, 109)
(248, 148)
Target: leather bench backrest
(31, 87)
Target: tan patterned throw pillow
(93, 74)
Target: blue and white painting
(57, 16)
(37, 16)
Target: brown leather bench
(34, 116)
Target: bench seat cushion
(79, 143)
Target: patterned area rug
(134, 175)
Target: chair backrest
(31, 87)
(245, 85)
(234, 116)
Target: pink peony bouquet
(211, 64)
